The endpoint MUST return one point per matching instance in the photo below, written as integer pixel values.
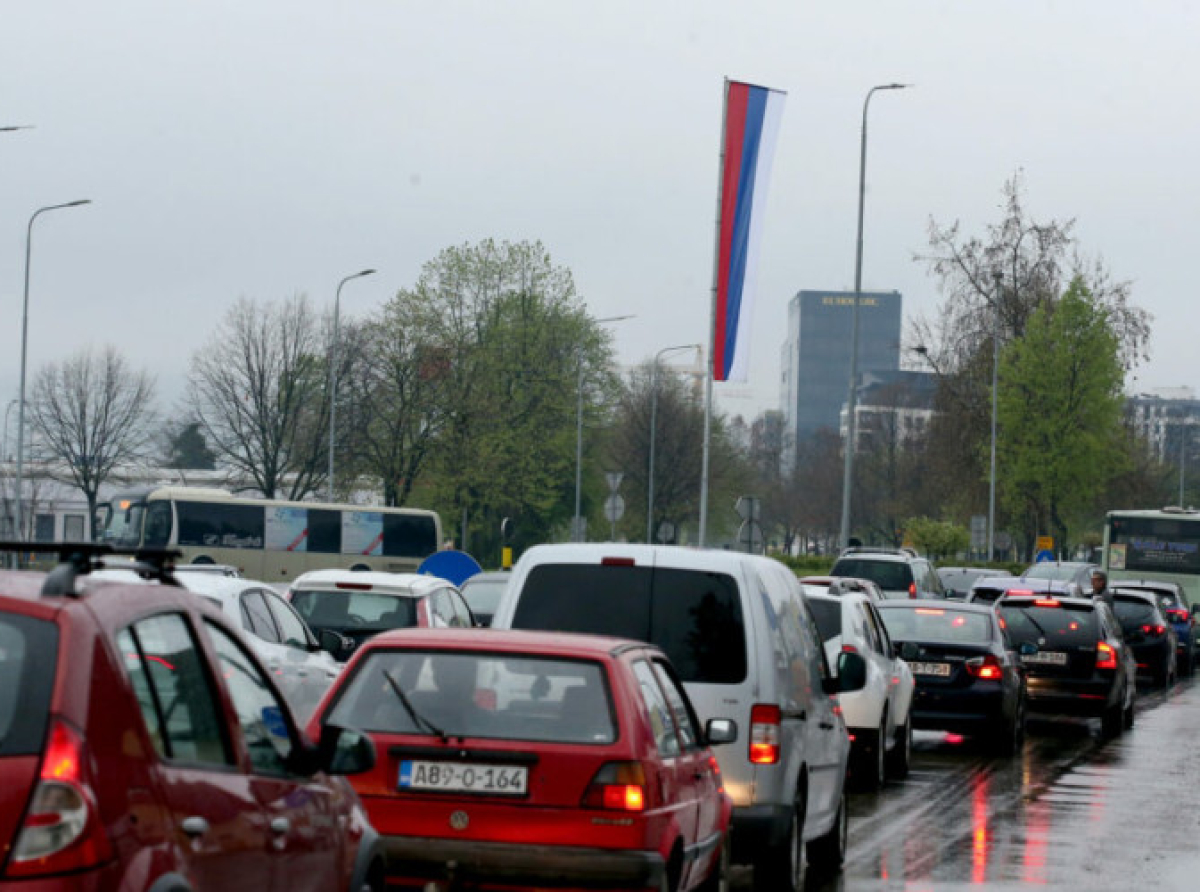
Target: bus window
(220, 525)
(123, 523)
(158, 524)
(324, 531)
(408, 536)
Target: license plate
(1046, 658)
(464, 777)
(942, 669)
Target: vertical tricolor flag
(752, 117)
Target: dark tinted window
(351, 611)
(695, 616)
(158, 523)
(1060, 626)
(892, 575)
(828, 615)
(258, 617)
(1155, 544)
(1134, 611)
(324, 531)
(28, 650)
(218, 525)
(409, 535)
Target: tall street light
(998, 278)
(852, 400)
(653, 431)
(577, 521)
(19, 517)
(333, 351)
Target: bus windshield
(1154, 544)
(122, 522)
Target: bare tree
(259, 391)
(91, 414)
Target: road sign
(1043, 556)
(1044, 543)
(614, 479)
(978, 530)
(614, 508)
(453, 566)
(748, 507)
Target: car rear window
(356, 612)
(893, 575)
(28, 649)
(944, 624)
(694, 616)
(1134, 611)
(500, 696)
(1050, 627)
(828, 615)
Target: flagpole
(712, 331)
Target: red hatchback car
(143, 748)
(528, 760)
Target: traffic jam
(630, 717)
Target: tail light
(849, 649)
(617, 786)
(912, 589)
(987, 667)
(1178, 616)
(61, 831)
(765, 719)
(1106, 656)
(1046, 602)
(1153, 629)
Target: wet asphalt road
(1071, 812)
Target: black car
(1148, 631)
(1081, 664)
(990, 589)
(1175, 607)
(968, 679)
(958, 580)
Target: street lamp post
(577, 521)
(333, 351)
(20, 477)
(851, 436)
(998, 278)
(653, 431)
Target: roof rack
(80, 558)
(879, 549)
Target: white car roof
(412, 585)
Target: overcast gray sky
(270, 147)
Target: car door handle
(280, 826)
(194, 826)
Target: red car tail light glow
(1046, 602)
(987, 667)
(912, 589)
(1106, 656)
(765, 719)
(1153, 629)
(61, 831)
(617, 786)
(617, 562)
(353, 586)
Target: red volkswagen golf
(144, 749)
(531, 760)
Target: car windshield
(1060, 625)
(889, 575)
(943, 624)
(500, 696)
(122, 522)
(351, 612)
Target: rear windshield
(1050, 627)
(1134, 611)
(945, 624)
(355, 612)
(28, 649)
(828, 615)
(488, 695)
(694, 616)
(483, 594)
(892, 575)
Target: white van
(739, 633)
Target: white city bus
(1154, 544)
(267, 539)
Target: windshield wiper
(417, 719)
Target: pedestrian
(1100, 586)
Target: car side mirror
(720, 731)
(851, 672)
(333, 642)
(345, 751)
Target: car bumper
(521, 865)
(1070, 697)
(755, 828)
(965, 711)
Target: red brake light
(1153, 630)
(617, 786)
(849, 649)
(1046, 602)
(61, 831)
(765, 719)
(1019, 591)
(353, 586)
(987, 667)
(912, 589)
(617, 562)
(1176, 615)
(931, 611)
(1106, 656)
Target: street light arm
(333, 347)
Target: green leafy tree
(936, 538)
(1060, 407)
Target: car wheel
(1012, 733)
(780, 868)
(826, 853)
(718, 878)
(870, 769)
(900, 757)
(1189, 664)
